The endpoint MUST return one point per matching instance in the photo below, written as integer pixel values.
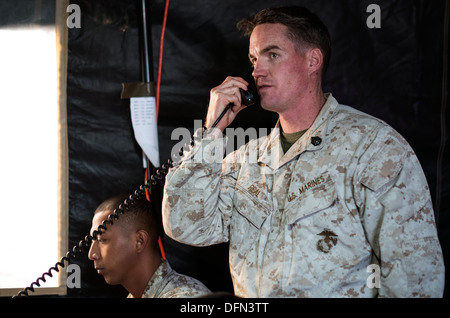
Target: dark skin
(124, 254)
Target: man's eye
(100, 239)
(273, 55)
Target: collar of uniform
(154, 284)
(312, 140)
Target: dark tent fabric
(393, 72)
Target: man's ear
(315, 59)
(141, 240)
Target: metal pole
(146, 43)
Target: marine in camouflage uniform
(167, 283)
(349, 193)
(344, 212)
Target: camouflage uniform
(349, 193)
(167, 283)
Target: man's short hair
(305, 28)
(139, 214)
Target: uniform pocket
(311, 201)
(248, 203)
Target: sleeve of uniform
(397, 214)
(197, 197)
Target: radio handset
(248, 98)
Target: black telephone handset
(248, 98)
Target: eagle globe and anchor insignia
(329, 240)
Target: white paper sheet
(143, 118)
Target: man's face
(112, 251)
(279, 68)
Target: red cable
(160, 243)
(161, 49)
(158, 86)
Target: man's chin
(110, 280)
(268, 107)
(266, 103)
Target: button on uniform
(316, 141)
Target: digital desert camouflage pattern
(167, 283)
(349, 193)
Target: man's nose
(93, 251)
(259, 69)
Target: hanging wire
(161, 50)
